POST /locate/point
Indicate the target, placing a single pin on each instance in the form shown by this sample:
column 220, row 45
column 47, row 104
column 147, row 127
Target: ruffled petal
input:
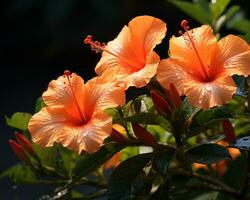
column 181, row 48
column 132, row 50
column 234, row 55
column 99, row 94
column 50, row 126
column 59, row 91
column 171, row 71
column 89, row 137
column 206, row 95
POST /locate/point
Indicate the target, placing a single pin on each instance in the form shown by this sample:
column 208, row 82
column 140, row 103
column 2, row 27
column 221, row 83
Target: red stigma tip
column 66, row 72
column 180, row 32
column 88, row 39
column 184, row 24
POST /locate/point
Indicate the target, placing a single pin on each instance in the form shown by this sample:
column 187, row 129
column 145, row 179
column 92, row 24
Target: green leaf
column 194, row 10
column 204, row 120
column 242, row 25
column 68, row 158
column 20, row 173
column 88, row 162
column 149, row 118
column 242, row 143
column 218, row 8
column 19, row 120
column 125, row 175
column 47, row 155
column 39, row 104
column 188, row 109
column 247, row 37
column 230, row 13
column 115, row 114
column 162, row 160
column 207, row 153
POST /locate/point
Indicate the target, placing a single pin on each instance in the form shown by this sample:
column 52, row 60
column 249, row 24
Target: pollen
column 189, row 39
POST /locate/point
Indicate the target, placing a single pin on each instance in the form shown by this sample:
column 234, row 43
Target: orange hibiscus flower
column 74, row 115
column 201, row 67
column 130, row 56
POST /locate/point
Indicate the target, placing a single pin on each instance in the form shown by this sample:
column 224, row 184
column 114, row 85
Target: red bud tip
column 228, row 130
column 118, row 137
column 184, row 24
column 17, row 149
column 66, row 72
column 174, row 96
column 25, row 143
column 160, row 104
column 143, row 135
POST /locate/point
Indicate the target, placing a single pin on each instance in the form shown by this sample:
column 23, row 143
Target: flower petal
column 181, row 48
column 99, row 94
column 235, row 55
column 132, row 50
column 50, row 125
column 206, row 95
column 171, row 71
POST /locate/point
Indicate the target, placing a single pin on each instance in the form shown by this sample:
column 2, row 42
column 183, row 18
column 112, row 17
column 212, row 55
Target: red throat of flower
column 101, row 47
column 191, row 43
column 67, row 74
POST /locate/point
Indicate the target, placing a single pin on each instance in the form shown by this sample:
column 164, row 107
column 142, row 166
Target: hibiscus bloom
column 74, row 115
column 130, row 56
column 201, row 67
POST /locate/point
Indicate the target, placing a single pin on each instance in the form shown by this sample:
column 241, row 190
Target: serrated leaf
column 88, row 162
column 194, row 10
column 120, row 184
column 205, row 119
column 242, row 143
column 19, row 120
column 207, row 154
column 218, row 8
column 162, row 160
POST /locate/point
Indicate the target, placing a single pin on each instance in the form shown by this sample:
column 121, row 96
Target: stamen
column 68, row 76
column 190, row 39
column 98, row 47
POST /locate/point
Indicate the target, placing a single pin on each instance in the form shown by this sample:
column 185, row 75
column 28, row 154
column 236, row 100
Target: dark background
column 41, row 38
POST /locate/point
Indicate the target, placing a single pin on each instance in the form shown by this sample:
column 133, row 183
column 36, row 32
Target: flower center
column 101, row 47
column 82, row 116
column 191, row 43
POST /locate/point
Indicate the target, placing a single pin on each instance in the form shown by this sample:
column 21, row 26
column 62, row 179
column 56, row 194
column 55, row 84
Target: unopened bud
column 160, row 104
column 174, row 96
column 228, row 130
column 118, row 137
column 143, row 135
column 25, row 143
column 17, row 149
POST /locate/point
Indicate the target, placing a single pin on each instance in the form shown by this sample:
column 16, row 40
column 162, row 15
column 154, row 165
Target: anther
column 190, row 42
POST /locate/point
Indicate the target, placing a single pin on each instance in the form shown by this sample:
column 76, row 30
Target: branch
column 221, row 187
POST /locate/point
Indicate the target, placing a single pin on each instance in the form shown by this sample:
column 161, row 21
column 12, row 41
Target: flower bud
column 143, row 135
column 118, row 137
column 160, row 104
column 17, row 149
column 174, row 96
column 228, row 130
column 25, row 143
